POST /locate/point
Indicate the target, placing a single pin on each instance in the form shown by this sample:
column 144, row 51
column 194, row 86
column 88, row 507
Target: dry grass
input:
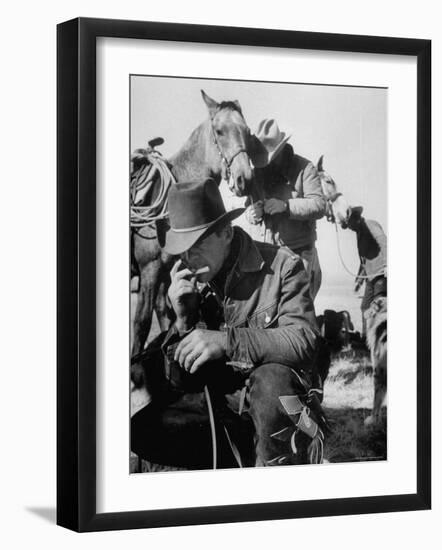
column 351, row 440
column 350, row 381
column 348, row 397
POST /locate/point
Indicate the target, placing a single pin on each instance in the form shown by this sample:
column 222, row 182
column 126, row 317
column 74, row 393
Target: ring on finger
column 191, row 360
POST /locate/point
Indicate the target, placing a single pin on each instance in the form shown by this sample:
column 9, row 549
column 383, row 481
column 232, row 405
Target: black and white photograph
column 202, row 205
column 258, row 273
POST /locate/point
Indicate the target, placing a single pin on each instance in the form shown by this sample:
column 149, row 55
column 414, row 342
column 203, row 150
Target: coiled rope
column 152, row 167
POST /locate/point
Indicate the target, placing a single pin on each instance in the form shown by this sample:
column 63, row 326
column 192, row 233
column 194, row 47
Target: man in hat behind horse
column 291, row 197
column 243, row 318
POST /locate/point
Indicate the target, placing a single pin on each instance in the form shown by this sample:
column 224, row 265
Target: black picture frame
column 76, row 273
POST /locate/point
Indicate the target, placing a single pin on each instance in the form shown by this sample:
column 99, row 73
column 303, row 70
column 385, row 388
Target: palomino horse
column 338, row 209
column 216, row 149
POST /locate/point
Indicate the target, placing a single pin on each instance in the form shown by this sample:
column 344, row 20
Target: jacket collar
column 250, row 259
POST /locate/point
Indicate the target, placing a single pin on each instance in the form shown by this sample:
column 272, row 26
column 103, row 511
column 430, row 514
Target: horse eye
column 219, row 132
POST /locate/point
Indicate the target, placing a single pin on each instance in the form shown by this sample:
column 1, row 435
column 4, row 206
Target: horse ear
column 212, row 105
column 236, row 102
column 320, row 167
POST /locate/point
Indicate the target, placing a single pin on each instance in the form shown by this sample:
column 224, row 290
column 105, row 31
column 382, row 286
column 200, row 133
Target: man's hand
column 274, row 206
column 255, row 213
column 183, row 296
column 199, row 347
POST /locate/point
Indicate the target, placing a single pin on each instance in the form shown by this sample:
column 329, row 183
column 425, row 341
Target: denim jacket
column 266, row 310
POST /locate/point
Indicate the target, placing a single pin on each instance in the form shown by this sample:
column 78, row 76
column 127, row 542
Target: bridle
column 330, row 200
column 227, row 162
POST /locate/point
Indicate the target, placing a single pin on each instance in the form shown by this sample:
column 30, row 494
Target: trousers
column 174, row 429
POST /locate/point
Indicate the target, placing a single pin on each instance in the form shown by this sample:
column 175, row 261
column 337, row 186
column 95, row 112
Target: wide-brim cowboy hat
column 267, row 142
column 195, row 209
column 355, row 213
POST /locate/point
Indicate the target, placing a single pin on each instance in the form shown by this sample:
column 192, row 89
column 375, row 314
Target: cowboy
column 244, row 319
column 372, row 249
column 291, row 197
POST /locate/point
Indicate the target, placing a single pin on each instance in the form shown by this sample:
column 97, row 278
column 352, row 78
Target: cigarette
column 201, row 270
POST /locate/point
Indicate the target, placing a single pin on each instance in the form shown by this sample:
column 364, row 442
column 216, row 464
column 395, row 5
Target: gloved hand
column 255, row 212
column 274, row 206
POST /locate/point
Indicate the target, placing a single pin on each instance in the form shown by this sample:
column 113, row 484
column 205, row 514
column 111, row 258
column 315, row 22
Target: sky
column 348, row 125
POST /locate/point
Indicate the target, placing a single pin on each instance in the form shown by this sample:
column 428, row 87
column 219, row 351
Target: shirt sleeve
column 294, row 340
column 312, row 205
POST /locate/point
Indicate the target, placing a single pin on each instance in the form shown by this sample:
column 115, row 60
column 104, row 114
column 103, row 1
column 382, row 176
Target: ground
column 348, row 395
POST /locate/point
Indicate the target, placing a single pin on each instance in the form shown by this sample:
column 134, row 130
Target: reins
column 212, row 427
column 155, row 167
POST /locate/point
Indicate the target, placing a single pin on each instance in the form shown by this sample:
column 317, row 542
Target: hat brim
column 356, row 211
column 355, row 214
column 177, row 242
column 273, row 154
column 260, row 156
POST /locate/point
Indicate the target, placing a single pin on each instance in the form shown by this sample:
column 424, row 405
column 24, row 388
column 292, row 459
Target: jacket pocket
column 264, row 317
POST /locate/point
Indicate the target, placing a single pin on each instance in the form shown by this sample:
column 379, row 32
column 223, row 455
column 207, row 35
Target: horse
column 218, row 149
column 338, row 209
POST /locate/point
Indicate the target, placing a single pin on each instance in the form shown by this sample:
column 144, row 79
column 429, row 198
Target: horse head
column 338, row 209
column 230, row 137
